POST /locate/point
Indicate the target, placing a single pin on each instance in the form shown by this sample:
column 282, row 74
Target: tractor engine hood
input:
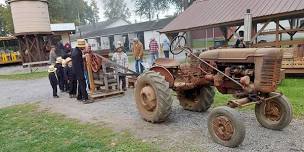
column 238, row 54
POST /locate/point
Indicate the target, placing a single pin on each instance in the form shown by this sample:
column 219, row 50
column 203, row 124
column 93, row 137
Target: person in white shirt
column 121, row 58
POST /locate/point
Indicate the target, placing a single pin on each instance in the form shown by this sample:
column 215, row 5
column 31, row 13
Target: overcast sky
column 131, row 5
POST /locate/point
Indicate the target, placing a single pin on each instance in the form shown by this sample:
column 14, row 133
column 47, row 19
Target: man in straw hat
column 53, row 80
column 78, row 69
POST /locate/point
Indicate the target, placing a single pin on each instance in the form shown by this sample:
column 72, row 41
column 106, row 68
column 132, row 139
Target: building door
column 112, row 45
column 126, row 42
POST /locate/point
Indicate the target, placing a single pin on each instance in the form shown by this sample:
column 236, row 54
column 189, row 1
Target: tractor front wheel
column 226, row 127
column 275, row 113
column 153, row 97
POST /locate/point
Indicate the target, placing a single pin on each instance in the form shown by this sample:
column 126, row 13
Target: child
column 72, row 82
column 121, row 58
column 53, row 80
column 60, row 73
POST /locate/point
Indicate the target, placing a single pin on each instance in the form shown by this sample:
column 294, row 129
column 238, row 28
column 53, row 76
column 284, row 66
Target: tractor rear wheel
column 153, row 97
column 198, row 100
column 274, row 114
column 226, row 126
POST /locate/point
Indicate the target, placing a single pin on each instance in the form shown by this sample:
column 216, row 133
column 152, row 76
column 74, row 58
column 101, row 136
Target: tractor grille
column 270, row 75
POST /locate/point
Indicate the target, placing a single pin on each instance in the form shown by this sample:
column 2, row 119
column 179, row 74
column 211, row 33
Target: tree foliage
column 61, row 11
column 151, row 8
column 77, row 11
column 95, row 10
column 6, row 21
column 115, row 9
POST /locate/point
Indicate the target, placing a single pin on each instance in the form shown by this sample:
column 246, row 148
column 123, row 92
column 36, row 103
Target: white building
column 63, row 31
column 84, row 30
column 106, row 38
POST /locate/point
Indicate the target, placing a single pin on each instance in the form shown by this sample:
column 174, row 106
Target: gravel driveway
column 184, row 131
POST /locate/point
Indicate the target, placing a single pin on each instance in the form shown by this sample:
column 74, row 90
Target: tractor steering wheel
column 178, row 44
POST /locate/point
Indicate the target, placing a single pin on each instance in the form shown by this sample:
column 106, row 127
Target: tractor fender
column 164, row 72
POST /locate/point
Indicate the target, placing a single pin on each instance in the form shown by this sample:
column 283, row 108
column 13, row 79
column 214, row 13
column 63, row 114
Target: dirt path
column 185, row 131
column 18, row 92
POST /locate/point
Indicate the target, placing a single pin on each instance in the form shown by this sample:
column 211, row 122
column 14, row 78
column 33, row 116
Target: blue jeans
column 139, row 67
column 167, row 54
column 153, row 57
column 86, row 77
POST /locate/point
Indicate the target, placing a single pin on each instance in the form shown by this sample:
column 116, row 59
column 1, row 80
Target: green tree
column 95, row 10
column 6, row 21
column 61, row 11
column 77, row 11
column 151, row 8
column 115, row 9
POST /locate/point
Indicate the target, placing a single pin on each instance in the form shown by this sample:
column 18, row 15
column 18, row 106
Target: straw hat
column 119, row 44
column 59, row 60
column 67, row 60
column 52, row 68
column 63, row 63
column 81, row 43
column 135, row 39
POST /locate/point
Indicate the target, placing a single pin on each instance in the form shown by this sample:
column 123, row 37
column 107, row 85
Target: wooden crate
column 131, row 81
column 105, row 94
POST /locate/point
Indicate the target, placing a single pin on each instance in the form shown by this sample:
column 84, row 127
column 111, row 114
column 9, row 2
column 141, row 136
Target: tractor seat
column 168, row 63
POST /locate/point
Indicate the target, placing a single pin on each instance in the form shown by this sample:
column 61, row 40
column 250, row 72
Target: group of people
column 154, row 49
column 67, row 70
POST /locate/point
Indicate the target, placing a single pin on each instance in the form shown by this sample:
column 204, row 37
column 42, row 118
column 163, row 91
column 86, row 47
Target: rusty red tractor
column 251, row 75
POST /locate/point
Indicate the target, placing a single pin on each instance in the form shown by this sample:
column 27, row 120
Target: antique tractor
column 250, row 75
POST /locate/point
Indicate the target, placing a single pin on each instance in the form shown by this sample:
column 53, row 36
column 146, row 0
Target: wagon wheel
column 226, row 127
column 274, row 114
column 177, row 45
column 153, row 97
column 197, row 100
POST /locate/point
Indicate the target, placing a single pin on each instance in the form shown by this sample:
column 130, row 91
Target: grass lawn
column 24, row 128
column 293, row 89
column 25, row 76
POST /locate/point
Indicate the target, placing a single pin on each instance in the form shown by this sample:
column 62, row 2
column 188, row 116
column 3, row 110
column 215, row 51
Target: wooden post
column 254, row 32
column 28, row 49
column 277, row 21
column 233, row 34
column 259, row 32
column 4, row 45
column 90, row 73
column 105, row 76
column 38, row 48
column 291, row 23
column 225, row 34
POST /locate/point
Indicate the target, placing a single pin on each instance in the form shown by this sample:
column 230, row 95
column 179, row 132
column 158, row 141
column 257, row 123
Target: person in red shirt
column 153, row 49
